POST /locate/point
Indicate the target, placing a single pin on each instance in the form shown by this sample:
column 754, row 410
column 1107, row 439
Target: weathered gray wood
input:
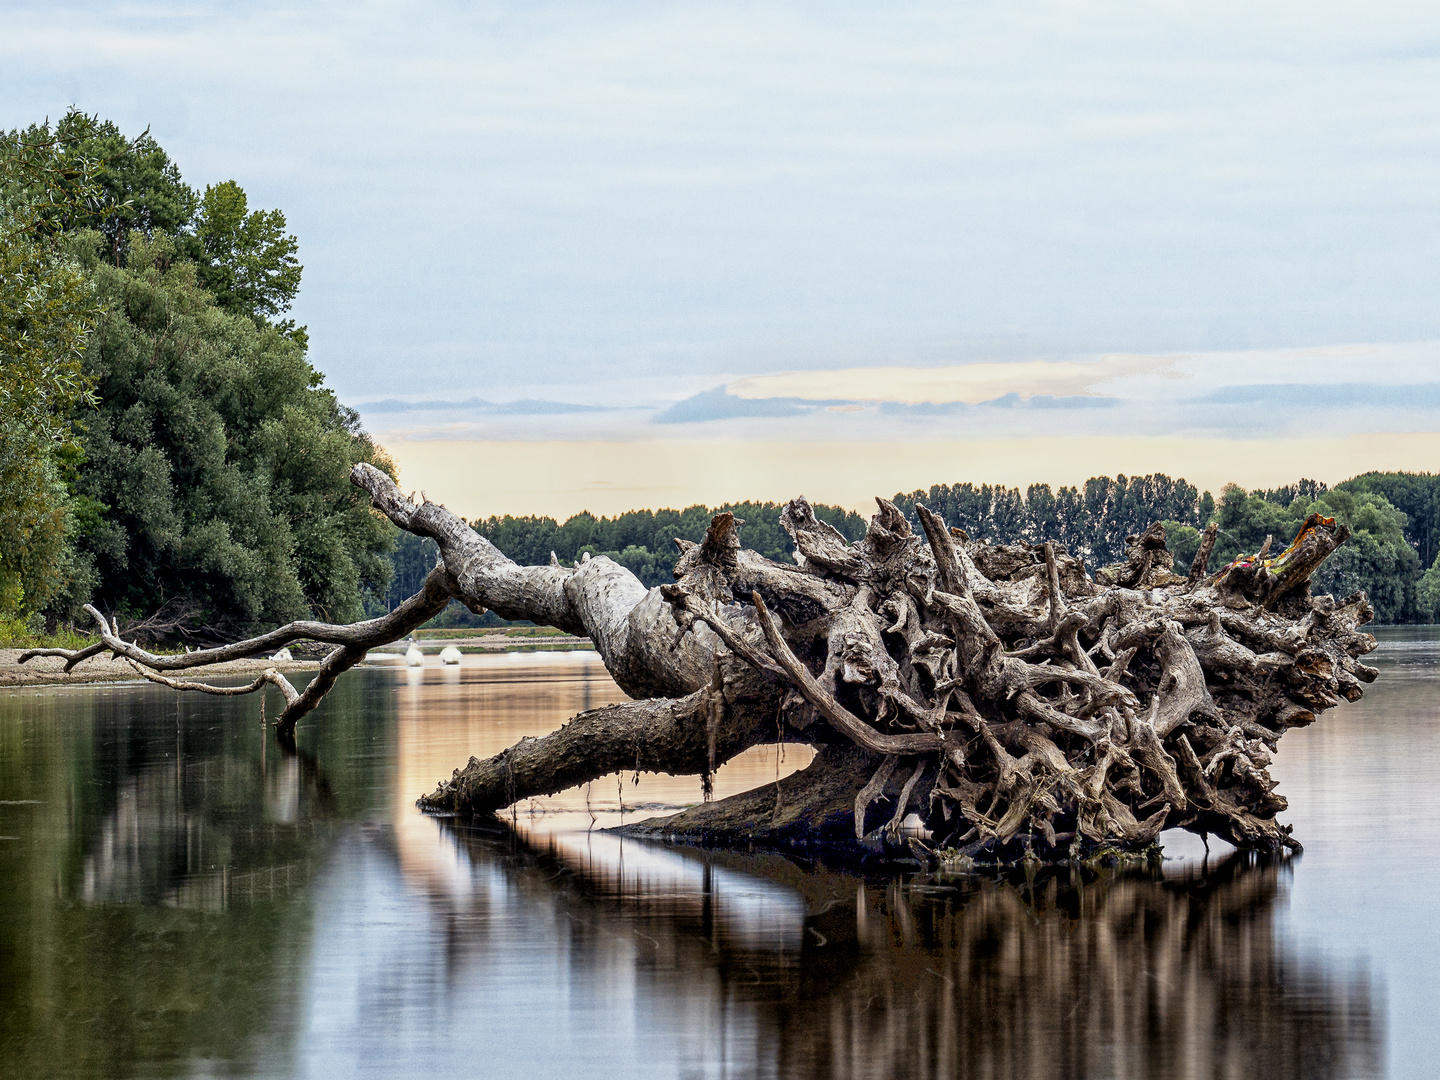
column 972, row 671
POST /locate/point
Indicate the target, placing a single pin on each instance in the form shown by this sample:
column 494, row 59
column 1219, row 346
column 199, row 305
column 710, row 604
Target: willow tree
column 1020, row 707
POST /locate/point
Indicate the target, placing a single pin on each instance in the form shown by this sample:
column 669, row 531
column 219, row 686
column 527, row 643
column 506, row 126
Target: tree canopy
column 136, row 187
column 47, row 308
column 249, row 262
column 205, row 470
column 222, row 465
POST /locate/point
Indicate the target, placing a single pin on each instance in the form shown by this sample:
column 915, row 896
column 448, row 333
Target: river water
column 181, row 897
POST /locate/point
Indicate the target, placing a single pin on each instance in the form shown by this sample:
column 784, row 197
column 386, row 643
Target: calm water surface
column 180, row 896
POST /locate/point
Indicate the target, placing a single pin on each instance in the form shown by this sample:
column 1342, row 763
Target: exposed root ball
column 1056, row 714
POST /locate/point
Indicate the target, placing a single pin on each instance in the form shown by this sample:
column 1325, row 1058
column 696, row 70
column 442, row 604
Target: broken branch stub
column 1021, row 708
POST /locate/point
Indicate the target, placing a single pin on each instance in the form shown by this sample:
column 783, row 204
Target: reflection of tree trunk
column 1023, row 709
column 162, row 840
column 1073, row 975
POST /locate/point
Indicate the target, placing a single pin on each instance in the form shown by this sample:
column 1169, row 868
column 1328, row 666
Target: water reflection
column 826, row 974
column 162, row 843
column 187, row 897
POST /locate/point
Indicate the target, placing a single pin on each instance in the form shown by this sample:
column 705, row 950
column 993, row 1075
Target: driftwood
column 1018, row 707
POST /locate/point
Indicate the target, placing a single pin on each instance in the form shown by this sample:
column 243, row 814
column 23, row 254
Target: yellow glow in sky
column 969, row 383
column 559, row 479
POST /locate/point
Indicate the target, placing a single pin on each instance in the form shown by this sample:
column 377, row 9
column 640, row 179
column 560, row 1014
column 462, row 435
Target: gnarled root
column 978, row 668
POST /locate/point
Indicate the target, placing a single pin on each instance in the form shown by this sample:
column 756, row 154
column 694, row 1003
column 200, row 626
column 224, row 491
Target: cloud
column 971, row 384
column 1046, row 401
column 1008, row 401
column 718, row 404
column 1327, row 395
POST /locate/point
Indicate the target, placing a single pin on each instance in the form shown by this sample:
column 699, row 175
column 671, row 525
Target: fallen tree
column 1020, row 708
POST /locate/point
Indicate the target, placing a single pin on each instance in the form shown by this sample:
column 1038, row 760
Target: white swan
column 450, row 655
column 414, row 657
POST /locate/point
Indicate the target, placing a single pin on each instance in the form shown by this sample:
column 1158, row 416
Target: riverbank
column 105, row 668
column 51, row 669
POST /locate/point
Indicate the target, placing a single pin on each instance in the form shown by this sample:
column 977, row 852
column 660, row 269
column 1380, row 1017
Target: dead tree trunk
column 1020, row 708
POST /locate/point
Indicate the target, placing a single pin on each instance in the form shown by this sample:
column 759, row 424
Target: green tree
column 209, row 477
column 1417, row 496
column 1091, row 521
column 1377, row 557
column 413, row 558
column 47, row 310
column 221, row 459
column 1183, row 541
column 248, row 259
column 1427, row 593
column 137, row 188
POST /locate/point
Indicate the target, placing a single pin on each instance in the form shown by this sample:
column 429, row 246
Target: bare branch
column 413, row 613
column 269, row 676
column 1202, row 557
column 72, row 656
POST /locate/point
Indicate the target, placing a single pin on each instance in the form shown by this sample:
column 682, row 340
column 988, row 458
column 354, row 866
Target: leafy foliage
column 206, row 476
column 249, row 262
column 1417, row 496
column 47, row 309
column 222, row 461
column 413, row 558
column 136, row 187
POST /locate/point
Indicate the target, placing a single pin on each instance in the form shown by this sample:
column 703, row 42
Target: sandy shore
column 49, row 669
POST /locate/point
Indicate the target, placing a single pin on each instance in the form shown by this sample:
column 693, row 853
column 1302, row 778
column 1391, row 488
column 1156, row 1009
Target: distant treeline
column 1392, row 555
column 1091, row 521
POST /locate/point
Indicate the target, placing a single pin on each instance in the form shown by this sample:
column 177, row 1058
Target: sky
column 574, row 256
